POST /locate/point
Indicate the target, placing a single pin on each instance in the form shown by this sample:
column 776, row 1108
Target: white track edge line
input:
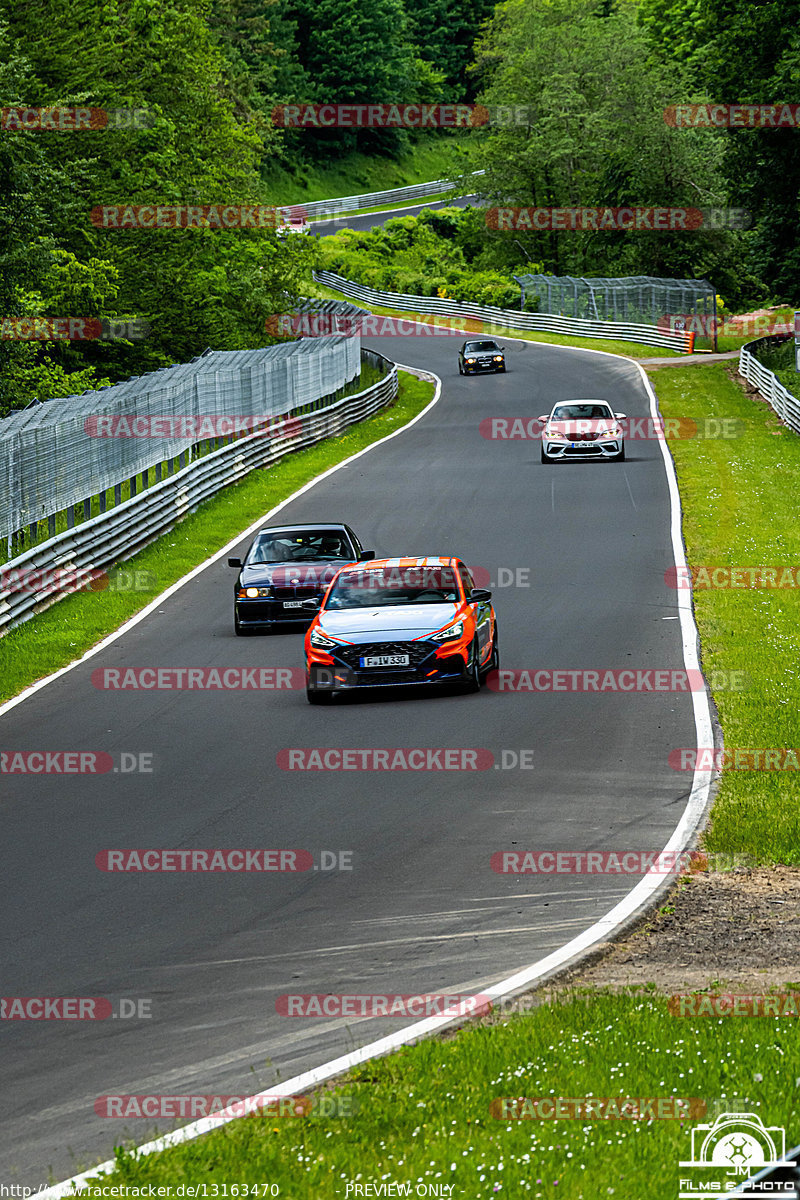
column 600, row 931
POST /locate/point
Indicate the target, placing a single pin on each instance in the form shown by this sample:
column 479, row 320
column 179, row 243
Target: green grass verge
column 64, row 632
column 739, row 509
column 431, row 156
column 422, row 1116
column 630, row 349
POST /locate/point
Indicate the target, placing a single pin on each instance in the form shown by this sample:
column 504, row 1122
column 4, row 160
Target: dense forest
column 595, row 77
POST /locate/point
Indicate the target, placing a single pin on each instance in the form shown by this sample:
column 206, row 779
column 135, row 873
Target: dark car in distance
column 286, row 570
column 481, row 355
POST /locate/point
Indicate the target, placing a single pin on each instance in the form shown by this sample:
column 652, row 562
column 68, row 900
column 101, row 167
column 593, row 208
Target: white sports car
column 583, row 429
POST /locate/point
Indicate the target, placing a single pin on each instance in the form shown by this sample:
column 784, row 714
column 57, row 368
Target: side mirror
column 478, row 595
column 621, row 416
column 544, row 419
column 366, row 555
column 235, row 562
column 311, row 602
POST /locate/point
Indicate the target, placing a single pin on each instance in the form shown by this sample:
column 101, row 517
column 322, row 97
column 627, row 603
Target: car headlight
column 469, row 360
column 555, row 436
column 319, row 639
column 498, row 358
column 448, row 635
column 252, row 593
column 610, row 433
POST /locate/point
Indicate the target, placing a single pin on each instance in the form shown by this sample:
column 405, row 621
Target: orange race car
column 400, row 621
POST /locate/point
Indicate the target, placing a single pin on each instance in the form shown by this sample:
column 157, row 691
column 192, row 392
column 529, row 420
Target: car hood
column 391, row 623
column 308, row 574
column 582, row 425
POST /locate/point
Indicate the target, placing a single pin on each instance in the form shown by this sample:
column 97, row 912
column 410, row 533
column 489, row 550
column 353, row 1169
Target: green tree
column 595, row 96
column 195, row 287
column 754, row 58
column 445, row 32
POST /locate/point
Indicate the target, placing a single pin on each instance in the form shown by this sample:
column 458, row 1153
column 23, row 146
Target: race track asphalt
column 580, row 551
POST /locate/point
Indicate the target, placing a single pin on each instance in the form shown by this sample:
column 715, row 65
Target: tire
column 238, row 629
column 472, row 682
column 545, row 459
column 621, row 456
column 494, row 661
column 460, row 369
column 315, row 697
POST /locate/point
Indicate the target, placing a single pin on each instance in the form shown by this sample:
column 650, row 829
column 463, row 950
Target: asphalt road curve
column 576, row 554
column 364, row 221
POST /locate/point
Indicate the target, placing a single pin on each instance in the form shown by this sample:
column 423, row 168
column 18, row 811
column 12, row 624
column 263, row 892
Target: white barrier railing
column 784, row 403
column 63, row 564
column 504, row 318
column 312, row 209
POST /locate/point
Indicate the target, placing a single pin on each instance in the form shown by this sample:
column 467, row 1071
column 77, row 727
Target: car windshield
column 581, row 412
column 394, row 586
column 477, row 347
column 308, row 545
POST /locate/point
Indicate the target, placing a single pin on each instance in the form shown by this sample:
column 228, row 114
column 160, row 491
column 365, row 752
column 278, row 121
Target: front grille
column 295, row 593
column 256, row 610
column 417, row 652
column 385, row 678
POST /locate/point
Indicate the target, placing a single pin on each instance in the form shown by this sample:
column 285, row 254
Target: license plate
column 293, row 604
column 385, row 660
column 583, row 445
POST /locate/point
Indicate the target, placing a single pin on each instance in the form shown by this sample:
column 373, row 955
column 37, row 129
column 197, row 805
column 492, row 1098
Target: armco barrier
column 115, row 536
column 329, row 208
column 51, row 464
column 785, row 404
column 506, row 318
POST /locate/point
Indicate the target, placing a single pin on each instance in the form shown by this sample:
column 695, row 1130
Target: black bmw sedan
column 485, row 355
column 286, row 566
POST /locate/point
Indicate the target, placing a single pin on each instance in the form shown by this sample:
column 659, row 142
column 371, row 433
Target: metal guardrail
column 776, row 395
column 505, row 318
column 341, row 204
column 61, row 565
column 65, row 453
